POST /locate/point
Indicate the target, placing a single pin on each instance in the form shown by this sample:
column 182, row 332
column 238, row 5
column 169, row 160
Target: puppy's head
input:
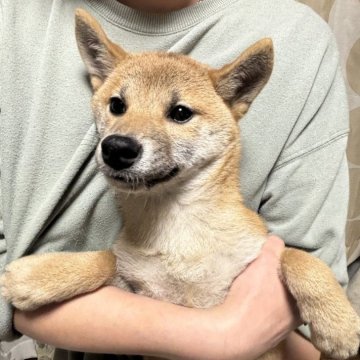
column 161, row 116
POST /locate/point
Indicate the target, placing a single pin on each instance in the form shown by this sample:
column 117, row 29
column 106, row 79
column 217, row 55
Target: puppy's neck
column 186, row 211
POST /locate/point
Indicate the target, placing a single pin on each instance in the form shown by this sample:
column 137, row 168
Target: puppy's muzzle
column 120, row 152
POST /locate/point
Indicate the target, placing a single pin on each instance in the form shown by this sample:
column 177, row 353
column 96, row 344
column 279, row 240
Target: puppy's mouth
column 135, row 181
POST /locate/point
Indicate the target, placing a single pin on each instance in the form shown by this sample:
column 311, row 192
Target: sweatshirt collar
column 157, row 24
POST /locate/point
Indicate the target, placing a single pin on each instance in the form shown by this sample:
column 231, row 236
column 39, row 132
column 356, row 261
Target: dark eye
column 181, row 113
column 117, row 106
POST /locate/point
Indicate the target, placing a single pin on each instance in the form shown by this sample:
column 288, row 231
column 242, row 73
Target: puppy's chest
column 194, row 279
column 189, row 282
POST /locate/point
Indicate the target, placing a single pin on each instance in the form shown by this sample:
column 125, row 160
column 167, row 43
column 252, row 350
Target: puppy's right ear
column 239, row 82
column 99, row 54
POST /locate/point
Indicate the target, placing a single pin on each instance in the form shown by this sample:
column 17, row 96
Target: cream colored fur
column 185, row 239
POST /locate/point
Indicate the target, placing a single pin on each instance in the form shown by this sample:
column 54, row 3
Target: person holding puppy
column 293, row 169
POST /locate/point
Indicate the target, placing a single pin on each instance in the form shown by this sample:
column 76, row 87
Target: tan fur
column 302, row 271
column 108, row 51
column 178, row 232
column 48, row 282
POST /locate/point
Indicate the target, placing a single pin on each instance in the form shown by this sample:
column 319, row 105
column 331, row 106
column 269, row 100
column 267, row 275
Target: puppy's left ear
column 239, row 82
column 99, row 54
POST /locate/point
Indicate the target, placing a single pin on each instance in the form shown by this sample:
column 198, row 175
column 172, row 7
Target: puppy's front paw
column 24, row 283
column 36, row 280
column 338, row 340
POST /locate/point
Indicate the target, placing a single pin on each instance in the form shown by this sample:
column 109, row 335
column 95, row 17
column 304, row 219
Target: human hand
column 258, row 312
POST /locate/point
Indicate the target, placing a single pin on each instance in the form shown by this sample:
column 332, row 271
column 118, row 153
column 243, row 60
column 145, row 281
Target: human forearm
column 113, row 321
column 299, row 348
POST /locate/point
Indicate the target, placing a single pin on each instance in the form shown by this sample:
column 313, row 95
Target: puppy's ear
column 239, row 82
column 99, row 54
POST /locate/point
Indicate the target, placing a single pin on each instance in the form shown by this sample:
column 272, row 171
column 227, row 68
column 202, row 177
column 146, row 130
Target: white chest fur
column 185, row 254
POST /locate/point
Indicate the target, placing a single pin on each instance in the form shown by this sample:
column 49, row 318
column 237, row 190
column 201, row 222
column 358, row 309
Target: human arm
column 304, row 198
column 257, row 303
column 2, row 235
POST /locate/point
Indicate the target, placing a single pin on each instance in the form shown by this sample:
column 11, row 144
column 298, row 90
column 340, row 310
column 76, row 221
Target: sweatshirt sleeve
column 306, row 196
column 5, row 309
column 2, row 235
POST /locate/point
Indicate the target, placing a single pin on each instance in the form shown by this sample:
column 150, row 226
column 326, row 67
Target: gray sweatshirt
column 293, row 167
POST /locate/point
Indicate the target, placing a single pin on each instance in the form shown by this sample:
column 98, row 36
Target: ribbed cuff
column 23, row 348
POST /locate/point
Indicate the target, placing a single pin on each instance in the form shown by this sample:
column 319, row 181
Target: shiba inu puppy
column 169, row 146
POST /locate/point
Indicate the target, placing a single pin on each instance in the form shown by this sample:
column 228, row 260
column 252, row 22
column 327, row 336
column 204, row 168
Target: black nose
column 120, row 152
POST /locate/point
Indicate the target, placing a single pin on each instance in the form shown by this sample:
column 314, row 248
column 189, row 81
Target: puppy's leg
column 322, row 303
column 36, row 280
